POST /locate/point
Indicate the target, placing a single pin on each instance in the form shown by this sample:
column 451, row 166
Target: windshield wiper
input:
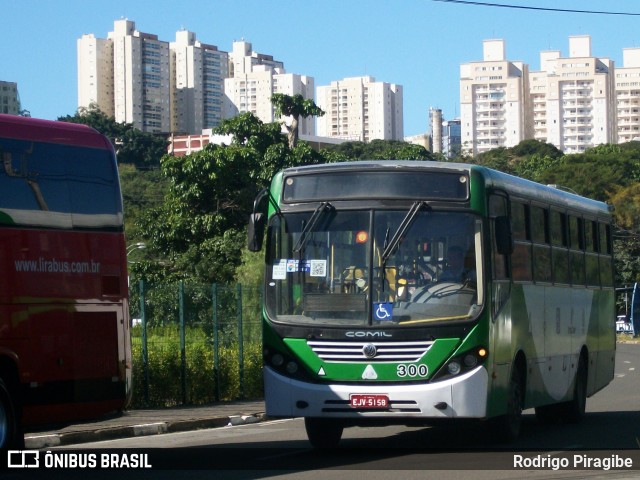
column 308, row 228
column 402, row 230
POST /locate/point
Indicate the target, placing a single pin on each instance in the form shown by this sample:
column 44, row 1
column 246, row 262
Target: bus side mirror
column 504, row 238
column 255, row 232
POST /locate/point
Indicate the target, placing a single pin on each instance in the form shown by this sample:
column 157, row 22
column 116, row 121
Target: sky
column 418, row 44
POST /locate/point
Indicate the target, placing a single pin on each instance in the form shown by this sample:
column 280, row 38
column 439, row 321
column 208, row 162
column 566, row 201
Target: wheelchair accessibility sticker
column 383, row 311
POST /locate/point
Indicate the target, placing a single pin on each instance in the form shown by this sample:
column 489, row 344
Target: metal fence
column 195, row 343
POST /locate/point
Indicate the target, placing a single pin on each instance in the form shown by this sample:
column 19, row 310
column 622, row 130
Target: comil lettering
column 362, row 334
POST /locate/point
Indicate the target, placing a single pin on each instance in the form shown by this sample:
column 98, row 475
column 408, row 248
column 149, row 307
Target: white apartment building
column 127, row 75
column 255, row 79
column 95, row 73
column 141, row 73
column 159, row 87
column 627, row 86
column 360, row 108
column 570, row 102
column 495, row 110
column 574, row 98
column 197, row 95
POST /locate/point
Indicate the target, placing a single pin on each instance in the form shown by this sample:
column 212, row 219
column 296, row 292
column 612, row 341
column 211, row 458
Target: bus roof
column 493, row 179
column 66, row 133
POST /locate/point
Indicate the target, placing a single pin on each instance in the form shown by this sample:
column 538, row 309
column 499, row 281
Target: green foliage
column 203, row 378
column 132, row 145
column 295, row 106
column 142, row 190
column 536, row 147
column 376, row 150
column 591, row 175
column 198, row 230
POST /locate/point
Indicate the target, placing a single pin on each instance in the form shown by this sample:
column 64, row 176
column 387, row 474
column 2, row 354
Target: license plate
column 369, row 401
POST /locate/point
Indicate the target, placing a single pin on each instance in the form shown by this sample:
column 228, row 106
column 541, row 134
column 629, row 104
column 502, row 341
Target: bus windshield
column 337, row 274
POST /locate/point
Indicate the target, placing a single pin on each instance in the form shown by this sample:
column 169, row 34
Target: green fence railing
column 195, row 343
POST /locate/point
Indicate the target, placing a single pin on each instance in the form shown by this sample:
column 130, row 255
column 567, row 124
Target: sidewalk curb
column 34, row 441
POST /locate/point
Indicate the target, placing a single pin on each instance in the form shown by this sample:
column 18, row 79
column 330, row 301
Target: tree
column 142, row 190
column 132, row 145
column 295, row 106
column 376, row 150
column 626, row 203
column 200, row 226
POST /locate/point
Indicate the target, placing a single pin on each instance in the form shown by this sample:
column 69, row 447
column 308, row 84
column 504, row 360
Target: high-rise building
column 360, row 108
column 570, row 102
column 451, row 138
column 95, row 73
column 627, row 85
column 197, row 95
column 9, row 99
column 255, row 78
column 574, row 98
column 127, row 76
column 141, row 76
column 159, row 87
column 181, row 87
column 445, row 134
column 494, row 101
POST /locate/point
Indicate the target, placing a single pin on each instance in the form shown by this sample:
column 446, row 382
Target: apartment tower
column 627, row 86
column 494, row 101
column 255, row 78
column 574, row 98
column 360, row 108
column 198, row 71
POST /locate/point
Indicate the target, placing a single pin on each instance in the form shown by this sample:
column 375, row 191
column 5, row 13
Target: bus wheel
column 506, row 428
column 573, row 410
column 323, row 432
column 10, row 432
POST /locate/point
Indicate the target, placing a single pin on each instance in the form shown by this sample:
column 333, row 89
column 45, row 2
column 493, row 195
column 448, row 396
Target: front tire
column 323, row 432
column 10, row 432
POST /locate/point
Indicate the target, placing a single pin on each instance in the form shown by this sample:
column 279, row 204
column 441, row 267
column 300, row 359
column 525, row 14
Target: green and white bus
column 401, row 292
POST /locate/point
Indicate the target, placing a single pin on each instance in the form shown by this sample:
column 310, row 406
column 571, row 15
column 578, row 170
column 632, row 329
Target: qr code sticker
column 318, row 268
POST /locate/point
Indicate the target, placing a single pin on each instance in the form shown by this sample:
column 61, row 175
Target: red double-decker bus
column 65, row 348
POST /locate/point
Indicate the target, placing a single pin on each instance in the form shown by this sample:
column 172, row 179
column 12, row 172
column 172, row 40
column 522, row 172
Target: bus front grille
column 368, row 352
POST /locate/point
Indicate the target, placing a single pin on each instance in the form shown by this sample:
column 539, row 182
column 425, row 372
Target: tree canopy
column 132, row 146
column 295, row 106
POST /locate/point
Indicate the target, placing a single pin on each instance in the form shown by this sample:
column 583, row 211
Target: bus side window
column 576, row 244
column 560, row 253
column 498, row 209
column 521, row 259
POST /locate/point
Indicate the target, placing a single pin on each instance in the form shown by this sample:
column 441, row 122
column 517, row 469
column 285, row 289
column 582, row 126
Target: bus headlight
column 470, row 360
column 454, row 367
column 292, row 367
column 461, row 363
column 284, row 363
column 277, row 360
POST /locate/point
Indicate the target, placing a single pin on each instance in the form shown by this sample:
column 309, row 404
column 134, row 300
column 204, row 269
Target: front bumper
column 461, row 397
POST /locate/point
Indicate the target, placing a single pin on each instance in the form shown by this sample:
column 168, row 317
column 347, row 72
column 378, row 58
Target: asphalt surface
column 134, row 423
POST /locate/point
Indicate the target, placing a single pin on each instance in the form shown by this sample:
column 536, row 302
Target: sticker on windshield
column 383, row 311
column 318, row 268
column 279, row 271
